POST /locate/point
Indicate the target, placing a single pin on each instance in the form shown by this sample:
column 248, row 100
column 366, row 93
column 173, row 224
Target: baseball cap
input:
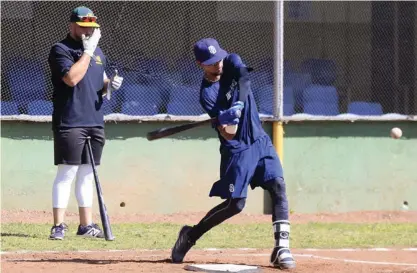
column 208, row 51
column 84, row 17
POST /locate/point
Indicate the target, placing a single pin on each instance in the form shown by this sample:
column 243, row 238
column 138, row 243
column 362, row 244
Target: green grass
column 163, row 236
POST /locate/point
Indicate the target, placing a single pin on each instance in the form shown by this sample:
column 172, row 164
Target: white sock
column 84, row 186
column 62, row 185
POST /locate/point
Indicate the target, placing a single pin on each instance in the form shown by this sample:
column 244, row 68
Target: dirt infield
column 393, row 261
column 326, row 261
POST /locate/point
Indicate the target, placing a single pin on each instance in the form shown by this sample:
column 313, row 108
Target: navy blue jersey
column 220, row 95
column 78, row 106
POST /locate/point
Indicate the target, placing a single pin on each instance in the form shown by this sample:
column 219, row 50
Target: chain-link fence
column 340, row 57
column 353, row 57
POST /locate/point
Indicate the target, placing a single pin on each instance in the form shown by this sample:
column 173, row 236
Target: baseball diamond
column 209, row 136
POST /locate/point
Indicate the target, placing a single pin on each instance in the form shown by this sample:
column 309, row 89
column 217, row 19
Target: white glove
column 114, row 84
column 90, row 43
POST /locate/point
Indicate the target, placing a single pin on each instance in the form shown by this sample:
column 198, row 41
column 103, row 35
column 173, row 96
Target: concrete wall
column 328, row 167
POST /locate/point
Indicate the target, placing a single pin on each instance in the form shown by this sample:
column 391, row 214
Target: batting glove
column 238, row 105
column 90, row 43
column 231, row 115
column 115, row 83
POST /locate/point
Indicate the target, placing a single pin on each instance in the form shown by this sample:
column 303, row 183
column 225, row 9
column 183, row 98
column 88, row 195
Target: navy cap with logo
column 208, row 51
column 84, row 17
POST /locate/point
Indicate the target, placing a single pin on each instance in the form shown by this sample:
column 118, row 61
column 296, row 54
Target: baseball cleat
column 282, row 258
column 58, row 232
column 90, row 231
column 182, row 245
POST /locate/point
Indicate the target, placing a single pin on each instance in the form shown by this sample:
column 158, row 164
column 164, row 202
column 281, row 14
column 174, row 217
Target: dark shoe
column 282, row 258
column 90, row 231
column 182, row 245
column 58, row 232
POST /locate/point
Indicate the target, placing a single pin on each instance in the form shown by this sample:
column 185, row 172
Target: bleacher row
column 150, row 88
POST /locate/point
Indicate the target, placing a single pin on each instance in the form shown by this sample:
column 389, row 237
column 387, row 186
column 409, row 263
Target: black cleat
column 182, row 245
column 282, row 258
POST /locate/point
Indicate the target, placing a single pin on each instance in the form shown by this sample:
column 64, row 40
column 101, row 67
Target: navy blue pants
column 255, row 166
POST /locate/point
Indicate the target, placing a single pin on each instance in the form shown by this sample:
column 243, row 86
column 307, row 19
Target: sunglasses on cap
column 87, row 18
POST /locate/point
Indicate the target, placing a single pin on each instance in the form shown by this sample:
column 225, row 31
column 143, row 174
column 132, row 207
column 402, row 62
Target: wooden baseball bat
column 168, row 131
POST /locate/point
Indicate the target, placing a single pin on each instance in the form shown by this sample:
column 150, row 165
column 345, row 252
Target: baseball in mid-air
column 396, row 133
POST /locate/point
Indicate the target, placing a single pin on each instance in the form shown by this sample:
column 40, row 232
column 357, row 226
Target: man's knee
column 276, row 187
column 237, row 205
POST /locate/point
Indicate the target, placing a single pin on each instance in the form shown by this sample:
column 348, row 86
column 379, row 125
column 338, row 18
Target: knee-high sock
column 277, row 191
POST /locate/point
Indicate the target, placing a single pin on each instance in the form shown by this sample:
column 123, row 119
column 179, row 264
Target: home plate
column 222, row 268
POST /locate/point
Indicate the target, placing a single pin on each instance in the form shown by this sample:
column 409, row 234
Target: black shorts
column 70, row 145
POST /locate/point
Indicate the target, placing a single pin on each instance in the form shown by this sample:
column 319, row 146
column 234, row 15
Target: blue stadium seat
column 176, row 77
column 365, row 108
column 183, row 93
column 139, row 108
column 260, row 79
column 140, row 92
column 321, row 109
column 109, row 106
column 140, row 100
column 40, row 108
column 184, row 108
column 267, row 66
column 265, row 100
column 322, row 71
column 185, row 100
column 320, row 93
column 191, row 74
column 155, row 68
column 9, row 108
column 300, row 82
column 27, row 81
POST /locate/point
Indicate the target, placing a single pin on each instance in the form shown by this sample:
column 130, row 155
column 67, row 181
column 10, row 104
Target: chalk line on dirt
column 207, row 249
column 352, row 261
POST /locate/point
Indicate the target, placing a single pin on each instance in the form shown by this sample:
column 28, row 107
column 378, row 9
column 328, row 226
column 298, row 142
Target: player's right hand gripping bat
column 244, row 84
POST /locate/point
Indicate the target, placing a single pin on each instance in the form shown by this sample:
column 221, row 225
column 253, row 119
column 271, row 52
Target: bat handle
column 108, row 95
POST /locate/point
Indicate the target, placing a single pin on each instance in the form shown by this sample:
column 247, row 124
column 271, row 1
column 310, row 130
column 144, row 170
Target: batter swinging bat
column 108, row 234
column 168, row 131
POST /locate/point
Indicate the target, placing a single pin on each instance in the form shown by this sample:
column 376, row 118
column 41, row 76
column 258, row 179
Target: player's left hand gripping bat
column 108, row 234
column 243, row 94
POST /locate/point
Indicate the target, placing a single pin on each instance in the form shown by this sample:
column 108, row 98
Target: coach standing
column 77, row 65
